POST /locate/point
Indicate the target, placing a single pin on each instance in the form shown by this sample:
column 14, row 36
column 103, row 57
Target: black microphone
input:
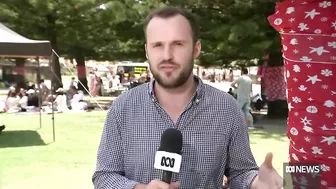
column 168, row 157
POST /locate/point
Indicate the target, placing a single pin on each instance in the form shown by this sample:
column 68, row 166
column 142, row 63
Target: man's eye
column 157, row 45
column 179, row 44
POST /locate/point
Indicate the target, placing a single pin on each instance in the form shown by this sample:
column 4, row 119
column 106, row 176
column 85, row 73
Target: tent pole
column 52, row 95
column 39, row 88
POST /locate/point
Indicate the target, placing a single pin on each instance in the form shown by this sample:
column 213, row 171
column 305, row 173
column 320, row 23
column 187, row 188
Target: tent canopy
column 14, row 45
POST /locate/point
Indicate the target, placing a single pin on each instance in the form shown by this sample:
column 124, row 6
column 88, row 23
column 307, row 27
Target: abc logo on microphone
column 167, row 161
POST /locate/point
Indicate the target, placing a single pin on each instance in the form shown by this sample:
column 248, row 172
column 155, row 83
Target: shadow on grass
column 12, row 139
column 272, row 129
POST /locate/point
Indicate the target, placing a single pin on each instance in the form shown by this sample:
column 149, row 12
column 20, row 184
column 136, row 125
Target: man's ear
column 197, row 50
column 146, row 51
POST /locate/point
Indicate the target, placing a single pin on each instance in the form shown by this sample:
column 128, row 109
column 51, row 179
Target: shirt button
column 197, row 100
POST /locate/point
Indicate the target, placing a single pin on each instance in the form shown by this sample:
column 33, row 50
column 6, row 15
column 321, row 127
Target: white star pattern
column 302, row 150
column 309, row 55
column 324, row 128
column 318, row 50
column 313, row 79
column 305, row 121
column 333, row 25
column 328, row 140
column 311, row 14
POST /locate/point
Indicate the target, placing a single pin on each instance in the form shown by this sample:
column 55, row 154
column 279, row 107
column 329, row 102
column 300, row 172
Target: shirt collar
column 197, row 96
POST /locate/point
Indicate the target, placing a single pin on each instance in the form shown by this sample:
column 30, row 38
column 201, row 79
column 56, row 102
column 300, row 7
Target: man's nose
column 168, row 53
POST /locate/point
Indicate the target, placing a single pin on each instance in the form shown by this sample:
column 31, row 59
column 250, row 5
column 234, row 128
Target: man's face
column 170, row 50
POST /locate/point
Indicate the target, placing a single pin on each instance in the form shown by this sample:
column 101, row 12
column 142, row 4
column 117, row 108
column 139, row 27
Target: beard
column 167, row 80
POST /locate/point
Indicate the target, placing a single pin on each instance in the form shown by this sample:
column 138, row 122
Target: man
column 243, row 92
column 215, row 136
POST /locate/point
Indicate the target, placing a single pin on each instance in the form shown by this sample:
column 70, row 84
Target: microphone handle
column 166, row 176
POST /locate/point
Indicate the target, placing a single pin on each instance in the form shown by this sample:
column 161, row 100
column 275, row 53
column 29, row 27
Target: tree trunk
column 19, row 69
column 277, row 108
column 81, row 72
column 55, row 65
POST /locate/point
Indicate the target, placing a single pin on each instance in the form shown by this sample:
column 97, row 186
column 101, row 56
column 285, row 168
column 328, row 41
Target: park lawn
column 30, row 159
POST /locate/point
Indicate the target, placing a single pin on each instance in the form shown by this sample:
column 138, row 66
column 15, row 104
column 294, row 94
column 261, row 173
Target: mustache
column 164, row 63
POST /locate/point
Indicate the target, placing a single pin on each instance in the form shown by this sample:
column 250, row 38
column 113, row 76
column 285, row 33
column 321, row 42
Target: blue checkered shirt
column 215, row 141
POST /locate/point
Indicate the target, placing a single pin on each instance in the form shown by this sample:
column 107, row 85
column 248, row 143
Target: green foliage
column 112, row 29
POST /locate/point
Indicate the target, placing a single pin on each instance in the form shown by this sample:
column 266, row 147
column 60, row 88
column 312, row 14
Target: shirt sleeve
column 236, row 81
column 110, row 166
column 241, row 165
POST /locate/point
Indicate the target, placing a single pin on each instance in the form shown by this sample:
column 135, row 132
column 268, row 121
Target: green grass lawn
column 30, row 159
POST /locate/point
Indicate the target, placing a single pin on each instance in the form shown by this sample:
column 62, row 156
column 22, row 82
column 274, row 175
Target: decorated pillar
column 308, row 33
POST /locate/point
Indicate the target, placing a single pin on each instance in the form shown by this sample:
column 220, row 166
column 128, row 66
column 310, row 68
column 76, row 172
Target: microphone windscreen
column 171, row 141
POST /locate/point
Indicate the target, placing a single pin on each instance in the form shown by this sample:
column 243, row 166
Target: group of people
column 20, row 100
column 30, row 99
column 117, row 80
column 220, row 76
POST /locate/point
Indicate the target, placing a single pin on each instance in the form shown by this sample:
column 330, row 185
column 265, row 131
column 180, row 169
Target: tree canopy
column 231, row 30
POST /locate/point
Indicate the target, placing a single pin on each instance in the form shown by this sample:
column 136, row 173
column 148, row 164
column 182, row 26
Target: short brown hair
column 168, row 11
column 244, row 71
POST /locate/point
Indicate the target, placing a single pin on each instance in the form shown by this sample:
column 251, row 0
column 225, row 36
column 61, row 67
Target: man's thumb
column 268, row 160
column 174, row 185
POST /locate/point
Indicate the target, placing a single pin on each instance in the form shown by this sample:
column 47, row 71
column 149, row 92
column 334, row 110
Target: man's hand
column 267, row 177
column 157, row 184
